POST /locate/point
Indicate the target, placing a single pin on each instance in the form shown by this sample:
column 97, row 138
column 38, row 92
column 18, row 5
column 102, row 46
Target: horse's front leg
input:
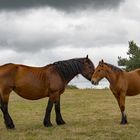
column 120, row 97
column 47, row 121
column 122, row 108
column 59, row 119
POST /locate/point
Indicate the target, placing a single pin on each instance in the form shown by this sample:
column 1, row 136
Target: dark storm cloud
column 64, row 5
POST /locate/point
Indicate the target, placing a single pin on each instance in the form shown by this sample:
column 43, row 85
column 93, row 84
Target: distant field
column 89, row 114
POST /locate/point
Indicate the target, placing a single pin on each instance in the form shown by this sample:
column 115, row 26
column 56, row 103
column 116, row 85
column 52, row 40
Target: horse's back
column 135, row 74
column 138, row 71
column 17, row 72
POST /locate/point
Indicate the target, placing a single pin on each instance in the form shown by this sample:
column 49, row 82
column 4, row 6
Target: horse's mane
column 114, row 68
column 69, row 68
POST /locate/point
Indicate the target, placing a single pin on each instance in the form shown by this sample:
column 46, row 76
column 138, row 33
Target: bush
column 72, row 87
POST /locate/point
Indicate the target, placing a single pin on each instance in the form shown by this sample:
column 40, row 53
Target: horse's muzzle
column 94, row 82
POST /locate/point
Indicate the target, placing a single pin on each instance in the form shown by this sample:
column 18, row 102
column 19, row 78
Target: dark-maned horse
column 38, row 82
column 122, row 83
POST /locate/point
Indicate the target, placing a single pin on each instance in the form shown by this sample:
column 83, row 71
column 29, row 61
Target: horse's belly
column 31, row 92
column 133, row 91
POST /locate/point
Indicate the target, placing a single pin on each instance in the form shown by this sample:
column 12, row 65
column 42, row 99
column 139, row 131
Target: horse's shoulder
column 123, row 74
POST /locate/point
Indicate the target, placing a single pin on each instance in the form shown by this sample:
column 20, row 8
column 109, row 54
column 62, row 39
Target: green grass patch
column 89, row 114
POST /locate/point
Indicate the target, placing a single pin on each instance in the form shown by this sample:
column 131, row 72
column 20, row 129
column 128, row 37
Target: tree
column 133, row 61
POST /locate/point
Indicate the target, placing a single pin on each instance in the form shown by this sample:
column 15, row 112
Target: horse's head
column 88, row 68
column 99, row 74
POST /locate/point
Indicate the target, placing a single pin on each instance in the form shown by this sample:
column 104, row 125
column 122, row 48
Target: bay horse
column 122, row 83
column 38, row 82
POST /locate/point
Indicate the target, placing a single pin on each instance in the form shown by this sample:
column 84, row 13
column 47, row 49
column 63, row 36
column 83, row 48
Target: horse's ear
column 101, row 62
column 87, row 56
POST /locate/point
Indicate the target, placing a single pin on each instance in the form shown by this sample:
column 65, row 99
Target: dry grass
column 90, row 115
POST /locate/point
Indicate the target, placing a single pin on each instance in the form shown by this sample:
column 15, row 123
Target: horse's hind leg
column 4, row 98
column 59, row 119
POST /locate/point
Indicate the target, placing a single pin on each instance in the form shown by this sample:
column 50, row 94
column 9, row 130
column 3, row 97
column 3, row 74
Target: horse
column 34, row 83
column 122, row 83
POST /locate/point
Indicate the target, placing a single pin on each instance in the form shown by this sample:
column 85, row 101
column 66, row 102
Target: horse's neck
column 75, row 73
column 70, row 78
column 112, row 77
column 68, row 73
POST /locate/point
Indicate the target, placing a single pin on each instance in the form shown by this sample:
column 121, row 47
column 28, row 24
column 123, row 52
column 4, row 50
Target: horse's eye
column 99, row 70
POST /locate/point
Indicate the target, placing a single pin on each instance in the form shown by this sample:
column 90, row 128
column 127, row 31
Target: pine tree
column 133, row 61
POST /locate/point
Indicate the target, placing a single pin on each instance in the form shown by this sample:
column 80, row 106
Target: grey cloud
column 35, row 42
column 29, row 43
column 64, row 5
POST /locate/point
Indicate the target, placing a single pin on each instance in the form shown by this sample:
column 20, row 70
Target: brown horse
column 122, row 83
column 38, row 82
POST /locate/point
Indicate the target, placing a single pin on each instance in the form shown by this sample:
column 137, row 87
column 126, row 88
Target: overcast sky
column 38, row 32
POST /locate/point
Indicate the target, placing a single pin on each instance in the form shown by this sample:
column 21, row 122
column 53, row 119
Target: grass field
column 89, row 114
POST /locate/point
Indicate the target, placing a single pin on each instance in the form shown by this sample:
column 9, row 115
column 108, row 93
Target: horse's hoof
column 123, row 122
column 60, row 122
column 10, row 126
column 48, row 124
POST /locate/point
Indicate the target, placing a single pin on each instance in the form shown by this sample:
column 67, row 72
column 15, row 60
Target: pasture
column 90, row 114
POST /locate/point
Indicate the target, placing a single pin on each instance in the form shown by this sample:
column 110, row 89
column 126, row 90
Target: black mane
column 69, row 68
column 114, row 68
